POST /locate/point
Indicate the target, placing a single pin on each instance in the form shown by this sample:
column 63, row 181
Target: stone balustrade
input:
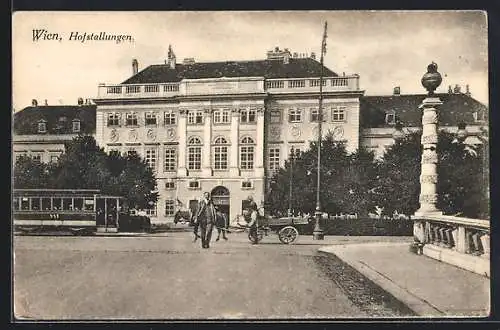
column 463, row 242
column 273, row 86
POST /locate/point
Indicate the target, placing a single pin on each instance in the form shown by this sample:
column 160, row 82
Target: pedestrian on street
column 205, row 215
column 251, row 214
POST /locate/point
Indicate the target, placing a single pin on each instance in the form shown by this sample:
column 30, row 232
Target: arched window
column 220, row 153
column 194, row 153
column 247, row 153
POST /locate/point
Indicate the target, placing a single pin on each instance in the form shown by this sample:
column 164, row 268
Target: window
column 54, row 158
column 42, row 126
column 314, row 115
column 248, row 115
column 132, row 89
column 151, row 88
column 296, row 83
column 246, row 184
column 194, row 184
column 151, row 211
column 151, row 158
column 195, row 117
column 20, row 154
column 37, row 156
column 170, row 118
column 169, row 207
column 294, row 115
column 390, row 118
column 194, row 153
column 170, row 185
column 247, row 153
column 170, row 159
column 131, row 119
column 131, row 152
column 76, row 126
column 274, row 159
column 275, row 116
column 221, row 116
column 150, row 118
column 338, row 114
column 220, row 154
column 113, row 119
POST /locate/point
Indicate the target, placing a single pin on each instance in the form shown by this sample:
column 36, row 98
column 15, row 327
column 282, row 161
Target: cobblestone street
column 170, row 277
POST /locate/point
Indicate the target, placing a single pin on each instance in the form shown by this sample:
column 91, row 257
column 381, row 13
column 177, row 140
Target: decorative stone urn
column 432, row 78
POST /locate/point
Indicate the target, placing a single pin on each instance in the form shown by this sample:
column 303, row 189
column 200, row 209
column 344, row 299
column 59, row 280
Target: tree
column 459, row 186
column 346, row 180
column 398, row 176
column 84, row 165
column 31, row 174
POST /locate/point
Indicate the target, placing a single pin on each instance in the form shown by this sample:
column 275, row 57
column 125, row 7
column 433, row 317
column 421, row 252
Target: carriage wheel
column 288, row 234
column 257, row 239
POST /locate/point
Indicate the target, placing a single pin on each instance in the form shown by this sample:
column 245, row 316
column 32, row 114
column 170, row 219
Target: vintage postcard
column 260, row 165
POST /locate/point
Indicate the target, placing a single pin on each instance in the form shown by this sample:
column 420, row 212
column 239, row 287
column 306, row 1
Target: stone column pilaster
column 259, row 152
column 182, row 131
column 234, row 169
column 428, row 176
column 206, row 161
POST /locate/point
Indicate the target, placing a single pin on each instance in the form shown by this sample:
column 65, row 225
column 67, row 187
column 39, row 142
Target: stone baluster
column 485, row 242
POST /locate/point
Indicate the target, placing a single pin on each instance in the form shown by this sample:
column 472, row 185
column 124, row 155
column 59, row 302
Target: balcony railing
column 463, row 242
column 274, row 86
column 137, row 90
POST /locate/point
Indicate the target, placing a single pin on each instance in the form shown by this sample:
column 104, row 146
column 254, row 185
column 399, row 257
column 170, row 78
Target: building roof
column 58, row 119
column 296, row 68
column 456, row 108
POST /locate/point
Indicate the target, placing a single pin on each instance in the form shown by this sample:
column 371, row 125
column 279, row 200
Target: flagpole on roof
column 318, row 232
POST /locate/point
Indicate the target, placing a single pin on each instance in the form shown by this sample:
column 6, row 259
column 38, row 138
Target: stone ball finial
column 432, row 78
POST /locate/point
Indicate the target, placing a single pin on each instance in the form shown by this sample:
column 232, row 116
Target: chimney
column 34, row 103
column 135, row 66
column 46, row 103
column 467, row 91
column 80, row 101
column 171, row 57
column 313, row 55
column 450, row 91
column 397, row 90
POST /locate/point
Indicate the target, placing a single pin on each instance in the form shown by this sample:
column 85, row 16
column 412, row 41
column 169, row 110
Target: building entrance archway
column 220, row 196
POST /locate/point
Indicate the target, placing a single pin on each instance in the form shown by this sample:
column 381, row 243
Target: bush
column 368, row 227
column 135, row 223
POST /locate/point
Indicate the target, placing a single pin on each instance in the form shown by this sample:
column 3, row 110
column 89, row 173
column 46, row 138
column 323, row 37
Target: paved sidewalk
column 429, row 287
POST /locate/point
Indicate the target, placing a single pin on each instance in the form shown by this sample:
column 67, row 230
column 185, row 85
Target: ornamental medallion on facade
column 113, row 135
column 151, row 135
column 295, row 131
column 275, row 132
column 338, row 132
column 132, row 135
column 170, row 133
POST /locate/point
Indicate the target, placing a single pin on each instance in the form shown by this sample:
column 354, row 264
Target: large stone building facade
column 223, row 127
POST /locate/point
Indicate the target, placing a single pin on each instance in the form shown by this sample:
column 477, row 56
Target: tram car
column 80, row 211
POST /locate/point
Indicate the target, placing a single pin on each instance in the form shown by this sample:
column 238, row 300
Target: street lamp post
column 318, row 232
column 290, row 191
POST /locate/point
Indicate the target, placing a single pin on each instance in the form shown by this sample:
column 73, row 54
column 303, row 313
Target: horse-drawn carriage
column 288, row 229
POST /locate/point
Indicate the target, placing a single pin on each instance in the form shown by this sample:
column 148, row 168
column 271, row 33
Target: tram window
column 78, row 204
column 67, row 204
column 15, row 203
column 89, row 204
column 45, row 204
column 35, row 203
column 25, row 204
column 57, row 204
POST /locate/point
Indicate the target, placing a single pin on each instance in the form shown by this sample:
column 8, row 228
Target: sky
column 386, row 48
